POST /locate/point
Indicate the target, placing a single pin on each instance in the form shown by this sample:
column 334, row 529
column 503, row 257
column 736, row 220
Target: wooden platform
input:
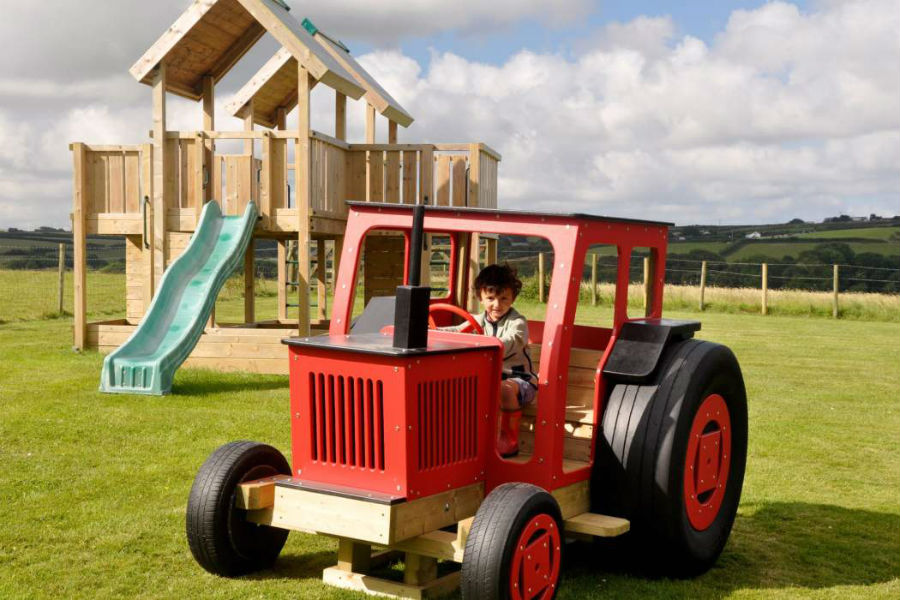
column 251, row 349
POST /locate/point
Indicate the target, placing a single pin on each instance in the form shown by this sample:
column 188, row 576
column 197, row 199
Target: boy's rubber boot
column 508, row 440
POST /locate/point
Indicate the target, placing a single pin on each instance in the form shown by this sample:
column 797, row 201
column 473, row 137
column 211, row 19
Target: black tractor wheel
column 220, row 537
column 514, row 547
column 671, row 458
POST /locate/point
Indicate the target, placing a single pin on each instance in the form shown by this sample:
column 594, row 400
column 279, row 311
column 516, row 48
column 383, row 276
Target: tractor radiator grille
column 447, row 421
column 347, row 420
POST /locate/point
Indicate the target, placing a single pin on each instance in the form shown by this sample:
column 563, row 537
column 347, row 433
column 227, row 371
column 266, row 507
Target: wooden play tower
column 300, row 178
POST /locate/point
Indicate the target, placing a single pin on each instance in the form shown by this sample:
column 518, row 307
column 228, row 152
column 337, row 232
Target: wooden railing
column 116, row 179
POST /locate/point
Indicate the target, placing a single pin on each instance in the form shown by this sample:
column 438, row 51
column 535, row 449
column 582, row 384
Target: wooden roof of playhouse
column 275, row 85
column 211, row 36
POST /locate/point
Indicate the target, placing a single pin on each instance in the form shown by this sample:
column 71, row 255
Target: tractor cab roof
column 496, row 213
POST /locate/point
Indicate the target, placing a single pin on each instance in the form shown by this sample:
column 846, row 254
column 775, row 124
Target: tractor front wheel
column 221, row 539
column 514, row 547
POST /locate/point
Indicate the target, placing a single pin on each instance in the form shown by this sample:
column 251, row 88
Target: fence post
column 835, row 310
column 702, row 283
column 593, row 280
column 62, row 276
column 540, row 277
column 646, row 283
column 765, row 288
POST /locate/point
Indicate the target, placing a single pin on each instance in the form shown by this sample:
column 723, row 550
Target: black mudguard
column 639, row 345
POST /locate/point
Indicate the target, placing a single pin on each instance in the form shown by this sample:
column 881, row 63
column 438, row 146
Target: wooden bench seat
column 579, row 407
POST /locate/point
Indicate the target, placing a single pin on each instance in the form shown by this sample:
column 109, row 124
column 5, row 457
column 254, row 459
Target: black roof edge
column 495, row 211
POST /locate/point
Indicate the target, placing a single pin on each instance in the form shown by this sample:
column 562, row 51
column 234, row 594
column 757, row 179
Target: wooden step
column 597, row 525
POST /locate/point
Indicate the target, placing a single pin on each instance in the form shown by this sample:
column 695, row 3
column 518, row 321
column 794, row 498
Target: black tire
column 222, row 541
column 640, row 466
column 496, row 529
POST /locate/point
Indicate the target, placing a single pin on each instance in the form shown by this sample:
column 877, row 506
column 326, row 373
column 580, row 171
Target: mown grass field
column 94, row 486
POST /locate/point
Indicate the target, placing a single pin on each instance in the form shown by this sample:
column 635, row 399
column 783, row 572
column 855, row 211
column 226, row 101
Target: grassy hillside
column 94, row 486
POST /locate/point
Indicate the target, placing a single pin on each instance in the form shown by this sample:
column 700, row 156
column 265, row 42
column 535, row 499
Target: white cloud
column 784, row 113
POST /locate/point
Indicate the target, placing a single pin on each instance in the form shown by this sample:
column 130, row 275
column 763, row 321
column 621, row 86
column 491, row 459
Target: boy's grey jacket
column 512, row 330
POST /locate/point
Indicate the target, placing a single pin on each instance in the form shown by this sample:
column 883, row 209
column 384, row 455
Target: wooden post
column 835, row 309
column 321, row 280
column 248, row 126
column 353, row 556
column 647, row 284
column 79, row 242
column 159, row 174
column 249, row 285
column 62, row 277
column 305, row 82
column 593, row 280
column 147, row 237
column 474, row 174
column 392, row 132
column 419, row 569
column 209, row 124
column 282, row 281
column 540, row 277
column 340, row 116
column 702, row 284
column 370, row 124
column 765, row 288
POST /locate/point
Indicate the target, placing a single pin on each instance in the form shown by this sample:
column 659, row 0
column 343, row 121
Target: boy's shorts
column 527, row 391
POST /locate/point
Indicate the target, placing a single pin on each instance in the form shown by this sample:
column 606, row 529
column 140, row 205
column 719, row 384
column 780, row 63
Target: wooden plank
column 426, row 176
column 374, row 176
column 306, row 510
column 410, row 176
column 415, row 518
column 574, row 499
column 375, row 586
column 392, row 177
column 392, row 132
column 355, row 175
column 439, row 544
column 597, row 525
column 459, row 181
column 474, row 175
column 442, row 181
column 282, row 280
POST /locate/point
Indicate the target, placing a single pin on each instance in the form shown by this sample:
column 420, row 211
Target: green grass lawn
column 94, row 486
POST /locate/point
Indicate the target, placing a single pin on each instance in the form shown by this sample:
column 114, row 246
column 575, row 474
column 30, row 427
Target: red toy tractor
column 639, row 429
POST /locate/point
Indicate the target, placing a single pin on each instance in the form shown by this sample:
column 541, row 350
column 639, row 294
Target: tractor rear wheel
column 671, row 457
column 514, row 547
column 221, row 539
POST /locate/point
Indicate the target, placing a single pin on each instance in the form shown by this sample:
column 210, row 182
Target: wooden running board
column 597, row 525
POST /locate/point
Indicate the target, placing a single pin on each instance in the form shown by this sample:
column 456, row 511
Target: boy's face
column 496, row 303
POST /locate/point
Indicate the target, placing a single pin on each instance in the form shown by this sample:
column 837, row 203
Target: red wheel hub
column 706, row 462
column 534, row 572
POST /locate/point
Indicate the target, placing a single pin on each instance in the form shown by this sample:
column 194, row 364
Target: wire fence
column 30, row 274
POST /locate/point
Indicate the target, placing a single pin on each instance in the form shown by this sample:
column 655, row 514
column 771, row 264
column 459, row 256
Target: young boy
column 497, row 287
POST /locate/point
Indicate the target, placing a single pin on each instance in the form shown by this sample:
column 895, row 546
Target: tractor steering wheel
column 471, row 326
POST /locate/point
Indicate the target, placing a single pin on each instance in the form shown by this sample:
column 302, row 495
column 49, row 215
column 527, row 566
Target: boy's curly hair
column 495, row 278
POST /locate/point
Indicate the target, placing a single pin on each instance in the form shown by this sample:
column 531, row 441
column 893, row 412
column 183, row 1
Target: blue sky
column 731, row 112
column 699, row 18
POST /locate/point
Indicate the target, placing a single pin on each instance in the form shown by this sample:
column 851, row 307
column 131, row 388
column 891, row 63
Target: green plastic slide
column 146, row 362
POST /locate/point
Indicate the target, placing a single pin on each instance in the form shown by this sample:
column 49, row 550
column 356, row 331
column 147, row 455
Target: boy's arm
column 514, row 336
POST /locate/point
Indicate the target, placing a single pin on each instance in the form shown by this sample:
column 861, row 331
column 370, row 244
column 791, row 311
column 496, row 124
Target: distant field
column 687, row 247
column 874, row 233
column 777, row 250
